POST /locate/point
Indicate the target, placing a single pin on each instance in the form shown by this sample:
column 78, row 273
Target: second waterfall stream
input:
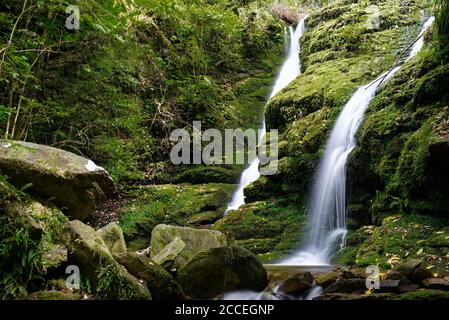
column 327, row 207
column 289, row 71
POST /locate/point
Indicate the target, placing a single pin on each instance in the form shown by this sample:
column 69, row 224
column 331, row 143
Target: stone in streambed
column 399, row 276
column 326, row 279
column 388, row 286
column 75, row 184
column 436, row 283
column 160, row 283
column 346, row 286
column 354, row 296
column 297, row 283
column 219, row 270
column 414, row 269
column 196, row 240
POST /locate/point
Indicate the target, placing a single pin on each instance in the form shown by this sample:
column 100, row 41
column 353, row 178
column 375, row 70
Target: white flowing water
column 327, row 208
column 289, row 71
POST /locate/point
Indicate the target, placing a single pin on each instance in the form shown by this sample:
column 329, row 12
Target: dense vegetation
column 135, row 70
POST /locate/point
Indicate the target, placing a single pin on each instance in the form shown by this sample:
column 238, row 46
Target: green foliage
column 111, row 285
column 20, row 257
column 135, row 70
column 443, row 20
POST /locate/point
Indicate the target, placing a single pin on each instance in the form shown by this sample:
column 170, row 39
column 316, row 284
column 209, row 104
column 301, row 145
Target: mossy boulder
column 196, row 240
column 112, row 236
column 54, row 257
column 75, row 184
column 90, row 253
column 53, row 295
column 181, row 204
column 219, row 270
column 424, row 294
column 160, row 283
column 167, row 256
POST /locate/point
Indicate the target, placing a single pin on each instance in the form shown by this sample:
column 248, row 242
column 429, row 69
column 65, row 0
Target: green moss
column 169, row 204
column 424, row 294
column 406, row 237
column 270, row 227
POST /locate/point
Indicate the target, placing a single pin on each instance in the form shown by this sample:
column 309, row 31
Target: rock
column 420, row 273
column 408, row 267
column 297, row 283
column 397, row 275
column 219, row 270
column 24, row 210
column 160, row 283
column 113, row 237
column 424, row 294
column 358, row 273
column 354, row 296
column 54, row 257
column 436, row 283
column 388, row 286
column 326, row 279
column 90, row 253
column 196, row 240
column 53, row 295
column 408, row 288
column 414, row 269
column 167, row 256
column 75, row 184
column 204, row 218
column 346, row 286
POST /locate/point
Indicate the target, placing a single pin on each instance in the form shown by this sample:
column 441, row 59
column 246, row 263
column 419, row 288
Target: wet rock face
column 221, row 270
column 297, row 284
column 75, row 184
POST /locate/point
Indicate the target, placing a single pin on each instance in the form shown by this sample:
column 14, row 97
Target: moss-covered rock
column 271, row 228
column 405, row 237
column 160, row 283
column 73, row 183
column 196, row 240
column 112, row 236
column 220, row 270
column 53, row 295
column 90, row 253
column 182, row 204
column 424, row 294
column 167, row 256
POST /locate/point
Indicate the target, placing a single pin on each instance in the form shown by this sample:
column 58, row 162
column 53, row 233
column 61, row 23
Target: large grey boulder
column 90, row 253
column 221, row 270
column 196, row 240
column 75, row 184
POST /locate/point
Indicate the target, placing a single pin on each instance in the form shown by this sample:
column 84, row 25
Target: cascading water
column 289, row 71
column 327, row 224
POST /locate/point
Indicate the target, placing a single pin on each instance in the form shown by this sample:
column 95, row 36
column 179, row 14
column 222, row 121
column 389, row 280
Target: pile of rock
column 409, row 280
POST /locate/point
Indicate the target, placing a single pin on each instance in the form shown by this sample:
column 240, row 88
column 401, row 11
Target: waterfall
column 289, row 71
column 327, row 207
